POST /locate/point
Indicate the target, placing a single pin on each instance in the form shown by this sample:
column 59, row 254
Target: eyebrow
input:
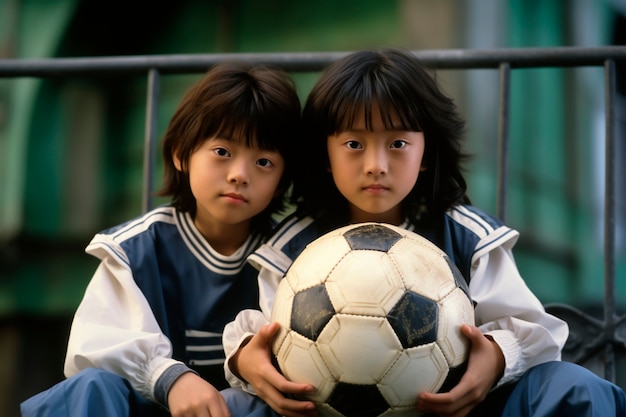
column 369, row 130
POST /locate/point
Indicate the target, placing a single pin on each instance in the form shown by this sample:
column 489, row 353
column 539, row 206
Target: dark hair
column 253, row 104
column 401, row 85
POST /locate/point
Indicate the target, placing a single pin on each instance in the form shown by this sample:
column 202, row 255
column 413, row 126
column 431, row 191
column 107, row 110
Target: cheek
column 272, row 186
column 339, row 165
column 197, row 185
column 343, row 181
column 200, row 176
column 333, row 155
column 410, row 172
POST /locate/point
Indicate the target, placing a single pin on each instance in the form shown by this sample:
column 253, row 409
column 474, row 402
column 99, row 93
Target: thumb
column 472, row 333
column 268, row 331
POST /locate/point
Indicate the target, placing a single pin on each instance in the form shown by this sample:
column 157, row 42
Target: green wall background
column 72, row 148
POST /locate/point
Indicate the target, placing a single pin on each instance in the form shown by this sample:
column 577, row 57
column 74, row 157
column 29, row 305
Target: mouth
column 234, row 197
column 375, row 188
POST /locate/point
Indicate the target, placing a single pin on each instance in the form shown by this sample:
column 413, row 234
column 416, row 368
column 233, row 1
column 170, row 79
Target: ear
column 423, row 168
column 176, row 161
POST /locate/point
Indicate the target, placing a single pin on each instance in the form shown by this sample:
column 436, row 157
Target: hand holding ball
column 370, row 315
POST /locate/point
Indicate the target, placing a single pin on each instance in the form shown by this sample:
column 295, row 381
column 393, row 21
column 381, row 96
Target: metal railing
column 588, row 335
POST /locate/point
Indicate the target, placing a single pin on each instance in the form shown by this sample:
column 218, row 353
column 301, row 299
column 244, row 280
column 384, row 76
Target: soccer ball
column 370, row 315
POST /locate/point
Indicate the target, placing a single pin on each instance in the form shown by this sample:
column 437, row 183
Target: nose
column 375, row 161
column 238, row 173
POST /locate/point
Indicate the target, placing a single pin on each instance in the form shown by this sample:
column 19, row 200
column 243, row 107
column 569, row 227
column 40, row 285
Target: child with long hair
column 146, row 338
column 384, row 145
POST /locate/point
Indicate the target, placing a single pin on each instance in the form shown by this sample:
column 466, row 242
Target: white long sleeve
column 248, row 323
column 158, row 302
column 114, row 329
column 507, row 310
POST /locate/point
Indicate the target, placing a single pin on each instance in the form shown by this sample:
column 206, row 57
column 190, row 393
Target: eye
column 264, row 162
column 221, row 152
column 353, row 144
column 398, row 143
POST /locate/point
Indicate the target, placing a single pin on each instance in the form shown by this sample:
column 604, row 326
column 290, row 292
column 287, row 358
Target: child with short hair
column 146, row 338
column 384, row 145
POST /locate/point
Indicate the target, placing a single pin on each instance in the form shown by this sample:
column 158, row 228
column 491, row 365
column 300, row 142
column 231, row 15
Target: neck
column 224, row 238
column 393, row 217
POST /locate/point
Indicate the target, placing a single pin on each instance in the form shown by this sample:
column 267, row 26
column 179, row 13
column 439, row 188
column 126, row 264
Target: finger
column 472, row 333
column 292, row 408
column 287, row 397
column 286, row 406
column 429, row 399
column 265, row 334
column 275, row 386
column 290, row 388
column 277, row 379
column 268, row 331
column 218, row 408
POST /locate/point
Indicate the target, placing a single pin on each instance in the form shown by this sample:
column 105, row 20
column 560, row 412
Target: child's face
column 232, row 182
column 375, row 170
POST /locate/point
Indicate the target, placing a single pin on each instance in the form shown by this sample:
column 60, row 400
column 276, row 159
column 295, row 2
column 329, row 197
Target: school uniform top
column 479, row 245
column 158, row 302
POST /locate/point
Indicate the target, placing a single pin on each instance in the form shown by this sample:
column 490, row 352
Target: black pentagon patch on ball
column 372, row 237
column 354, row 400
column 414, row 320
column 311, row 311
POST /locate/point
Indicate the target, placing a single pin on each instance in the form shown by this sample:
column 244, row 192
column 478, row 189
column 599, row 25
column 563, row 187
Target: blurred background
column 71, row 149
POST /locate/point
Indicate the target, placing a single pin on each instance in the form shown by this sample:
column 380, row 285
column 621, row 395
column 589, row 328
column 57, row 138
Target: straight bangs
column 362, row 94
column 236, row 129
column 242, row 123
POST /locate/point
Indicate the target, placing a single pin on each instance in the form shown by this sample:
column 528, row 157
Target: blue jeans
column 97, row 393
column 564, row 389
column 91, row 392
column 553, row 389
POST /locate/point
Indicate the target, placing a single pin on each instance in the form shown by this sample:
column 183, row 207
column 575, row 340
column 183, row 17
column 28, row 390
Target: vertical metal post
column 503, row 138
column 609, row 219
column 150, row 139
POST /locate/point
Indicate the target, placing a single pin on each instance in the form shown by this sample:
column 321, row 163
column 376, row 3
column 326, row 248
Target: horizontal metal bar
column 568, row 56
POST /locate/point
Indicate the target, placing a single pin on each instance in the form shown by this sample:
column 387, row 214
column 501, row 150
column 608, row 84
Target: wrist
column 499, row 355
column 233, row 363
column 167, row 380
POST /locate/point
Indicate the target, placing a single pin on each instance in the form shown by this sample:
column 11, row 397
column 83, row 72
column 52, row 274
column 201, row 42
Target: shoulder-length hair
column 256, row 105
column 401, row 86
